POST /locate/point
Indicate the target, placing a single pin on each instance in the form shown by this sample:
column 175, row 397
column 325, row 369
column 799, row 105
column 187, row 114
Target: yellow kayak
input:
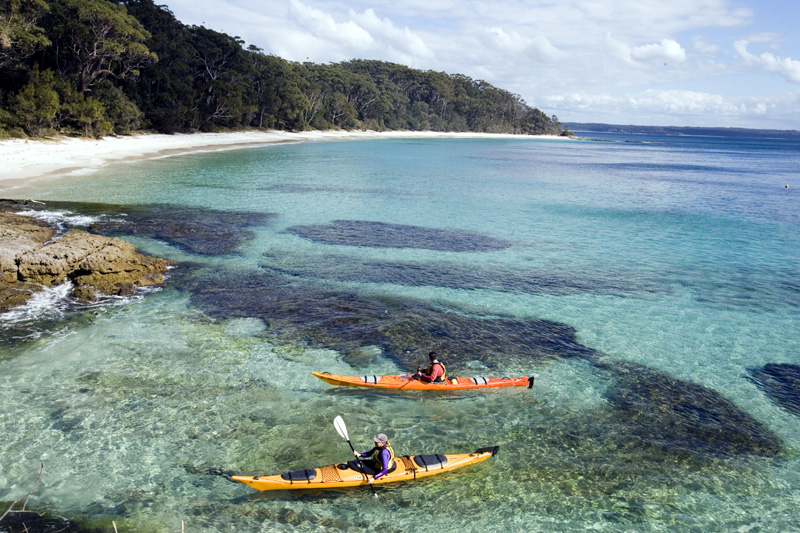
column 407, row 382
column 350, row 474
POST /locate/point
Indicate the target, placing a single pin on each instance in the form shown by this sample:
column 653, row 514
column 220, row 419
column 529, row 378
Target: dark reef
column 781, row 382
column 195, row 229
column 441, row 274
column 383, row 235
column 405, row 329
column 666, row 412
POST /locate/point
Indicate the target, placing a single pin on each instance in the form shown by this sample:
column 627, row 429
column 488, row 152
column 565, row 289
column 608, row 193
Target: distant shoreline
column 705, row 131
column 28, row 160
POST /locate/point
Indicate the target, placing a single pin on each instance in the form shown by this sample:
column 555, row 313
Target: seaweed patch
column 781, row 382
column 405, row 329
column 383, row 235
column 195, row 229
column 681, row 416
column 201, row 231
column 347, row 268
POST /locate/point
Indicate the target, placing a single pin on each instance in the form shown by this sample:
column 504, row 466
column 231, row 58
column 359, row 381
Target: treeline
column 98, row 67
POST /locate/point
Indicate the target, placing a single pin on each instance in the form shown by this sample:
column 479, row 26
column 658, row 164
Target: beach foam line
column 23, row 159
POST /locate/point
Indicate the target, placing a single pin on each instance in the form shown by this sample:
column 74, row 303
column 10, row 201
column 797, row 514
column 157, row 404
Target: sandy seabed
column 22, row 160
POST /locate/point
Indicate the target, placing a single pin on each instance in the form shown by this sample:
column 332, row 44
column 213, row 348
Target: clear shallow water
column 677, row 253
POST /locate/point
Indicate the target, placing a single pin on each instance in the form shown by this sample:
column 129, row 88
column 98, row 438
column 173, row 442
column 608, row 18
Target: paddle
column 338, row 423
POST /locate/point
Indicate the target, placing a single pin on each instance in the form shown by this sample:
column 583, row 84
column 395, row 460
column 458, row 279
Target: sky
column 720, row 63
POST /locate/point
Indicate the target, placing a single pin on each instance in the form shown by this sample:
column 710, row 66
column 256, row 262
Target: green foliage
column 130, row 64
column 88, row 114
column 122, row 114
column 9, row 125
column 96, row 39
column 38, row 103
column 20, row 37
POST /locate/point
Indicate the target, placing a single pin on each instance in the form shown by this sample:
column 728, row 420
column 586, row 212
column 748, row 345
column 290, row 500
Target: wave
column 61, row 218
column 51, row 302
column 55, row 304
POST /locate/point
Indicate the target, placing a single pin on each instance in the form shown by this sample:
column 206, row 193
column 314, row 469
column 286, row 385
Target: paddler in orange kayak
column 382, row 456
column 435, row 373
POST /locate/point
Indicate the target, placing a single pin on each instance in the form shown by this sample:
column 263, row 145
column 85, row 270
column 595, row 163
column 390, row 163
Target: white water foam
column 61, row 218
column 48, row 303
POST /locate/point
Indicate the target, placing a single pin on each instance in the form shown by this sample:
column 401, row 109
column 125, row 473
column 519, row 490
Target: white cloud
column 384, row 31
column 538, row 47
column 678, row 108
column 324, row 26
column 785, row 67
column 702, row 46
column 666, row 50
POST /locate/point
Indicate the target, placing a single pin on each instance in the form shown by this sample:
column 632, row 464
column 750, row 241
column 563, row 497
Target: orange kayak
column 407, row 382
column 354, row 473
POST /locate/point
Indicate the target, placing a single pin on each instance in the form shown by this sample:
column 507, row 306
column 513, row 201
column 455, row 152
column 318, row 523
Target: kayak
column 407, row 382
column 355, row 473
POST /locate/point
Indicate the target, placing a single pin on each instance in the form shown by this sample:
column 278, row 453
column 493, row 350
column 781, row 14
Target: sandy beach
column 24, row 160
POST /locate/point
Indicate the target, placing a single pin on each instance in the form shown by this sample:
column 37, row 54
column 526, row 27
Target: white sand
column 24, row 160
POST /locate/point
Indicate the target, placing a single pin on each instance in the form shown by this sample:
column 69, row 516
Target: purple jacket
column 384, row 455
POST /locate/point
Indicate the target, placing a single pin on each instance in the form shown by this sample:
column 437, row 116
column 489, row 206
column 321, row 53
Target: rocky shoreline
column 33, row 256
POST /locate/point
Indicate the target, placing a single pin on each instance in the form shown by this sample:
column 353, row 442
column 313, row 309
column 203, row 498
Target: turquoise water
column 678, row 254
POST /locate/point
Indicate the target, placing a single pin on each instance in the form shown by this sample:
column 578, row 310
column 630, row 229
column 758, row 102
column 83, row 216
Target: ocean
column 651, row 284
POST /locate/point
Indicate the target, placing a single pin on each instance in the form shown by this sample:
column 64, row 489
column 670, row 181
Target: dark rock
column 343, row 267
column 29, row 521
column 405, row 329
column 197, row 230
column 681, row 416
column 781, row 382
column 384, row 235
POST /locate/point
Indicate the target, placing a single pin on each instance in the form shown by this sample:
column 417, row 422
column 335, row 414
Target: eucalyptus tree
column 94, row 40
column 20, row 35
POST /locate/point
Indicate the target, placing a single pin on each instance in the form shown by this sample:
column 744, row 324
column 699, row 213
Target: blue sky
column 649, row 62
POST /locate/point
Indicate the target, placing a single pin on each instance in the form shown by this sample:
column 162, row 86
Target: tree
column 97, row 39
column 38, row 103
column 165, row 91
column 20, row 37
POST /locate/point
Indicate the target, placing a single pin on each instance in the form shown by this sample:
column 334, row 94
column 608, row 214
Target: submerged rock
column 197, row 230
column 681, row 416
column 404, row 329
column 384, row 235
column 781, row 382
column 342, row 267
column 28, row 521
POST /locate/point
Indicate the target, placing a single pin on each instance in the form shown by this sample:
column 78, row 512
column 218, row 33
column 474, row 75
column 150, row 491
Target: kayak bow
column 407, row 382
column 352, row 473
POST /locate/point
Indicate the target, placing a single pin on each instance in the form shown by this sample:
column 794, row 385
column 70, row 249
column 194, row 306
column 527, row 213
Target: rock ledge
column 31, row 259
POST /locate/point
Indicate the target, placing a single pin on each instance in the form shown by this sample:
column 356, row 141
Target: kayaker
column 381, row 456
column 435, row 373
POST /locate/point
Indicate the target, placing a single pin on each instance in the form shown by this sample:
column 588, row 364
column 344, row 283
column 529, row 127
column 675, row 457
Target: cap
column 380, row 437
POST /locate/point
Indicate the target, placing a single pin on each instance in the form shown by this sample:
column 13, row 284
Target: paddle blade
column 338, row 423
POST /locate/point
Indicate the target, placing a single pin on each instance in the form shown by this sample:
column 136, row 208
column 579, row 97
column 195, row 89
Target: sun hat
column 380, row 437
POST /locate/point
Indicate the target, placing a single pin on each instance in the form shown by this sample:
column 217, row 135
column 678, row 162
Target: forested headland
column 100, row 67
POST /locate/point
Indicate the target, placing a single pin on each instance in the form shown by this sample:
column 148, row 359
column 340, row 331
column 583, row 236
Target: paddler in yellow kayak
column 382, row 458
column 435, row 373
